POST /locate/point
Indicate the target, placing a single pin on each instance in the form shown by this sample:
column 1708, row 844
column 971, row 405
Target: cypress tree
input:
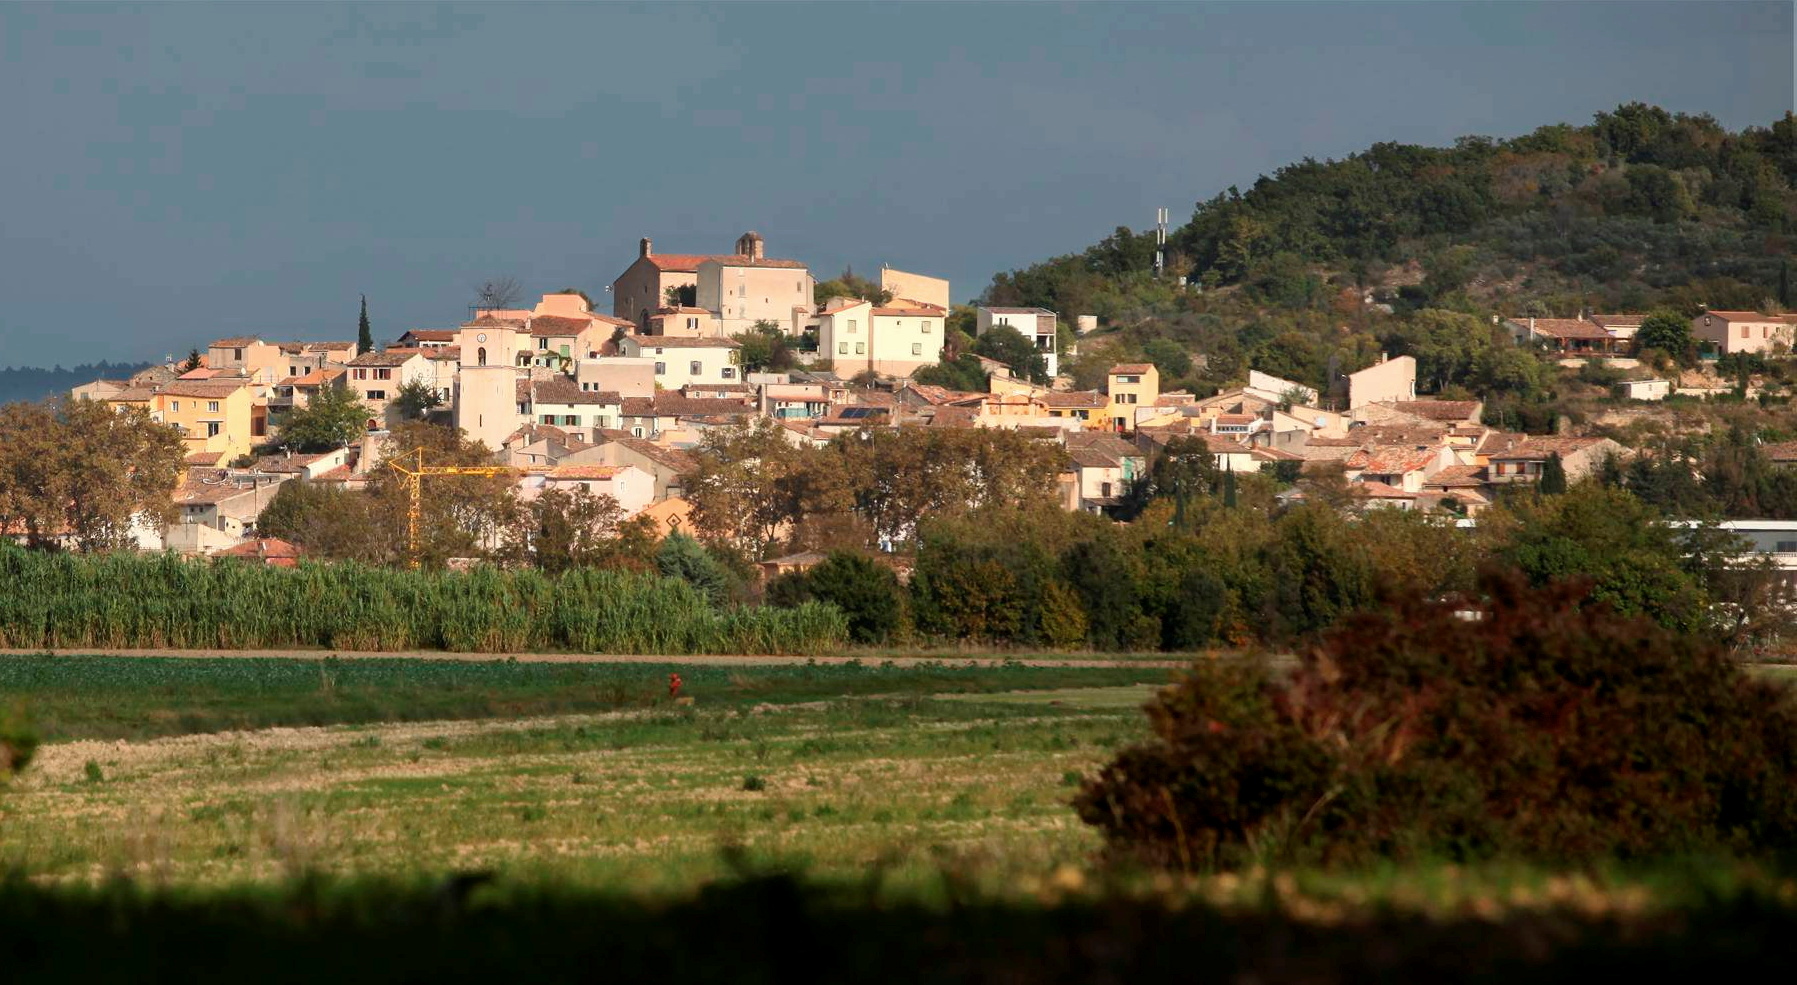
column 1229, row 487
column 1553, row 476
column 1784, row 284
column 364, row 335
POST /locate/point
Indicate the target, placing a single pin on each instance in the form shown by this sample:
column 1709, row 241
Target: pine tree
column 1553, row 476
column 364, row 335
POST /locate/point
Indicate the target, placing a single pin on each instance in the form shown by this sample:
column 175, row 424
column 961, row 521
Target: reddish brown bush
column 1545, row 727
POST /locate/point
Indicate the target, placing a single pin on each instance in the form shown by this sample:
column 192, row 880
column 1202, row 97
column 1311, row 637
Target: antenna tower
column 1160, row 242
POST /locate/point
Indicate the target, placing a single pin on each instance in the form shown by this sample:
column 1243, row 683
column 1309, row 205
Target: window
column 1126, row 398
column 842, row 349
column 237, row 354
column 926, row 326
column 362, row 374
column 1129, row 379
column 564, row 352
column 692, row 324
column 1104, row 490
column 1744, row 331
column 543, row 343
column 547, row 419
column 860, row 347
column 636, row 432
column 851, row 326
column 377, row 394
column 694, row 368
column 729, row 372
column 1787, row 547
column 174, row 406
column 571, row 420
column 742, row 290
column 212, row 406
column 661, row 369
column 659, row 352
column 383, row 374
column 213, row 428
column 917, row 348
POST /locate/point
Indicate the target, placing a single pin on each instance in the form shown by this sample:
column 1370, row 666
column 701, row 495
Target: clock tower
column 486, row 399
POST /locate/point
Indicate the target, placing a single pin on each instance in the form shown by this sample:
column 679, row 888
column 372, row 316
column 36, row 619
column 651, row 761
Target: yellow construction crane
column 415, row 481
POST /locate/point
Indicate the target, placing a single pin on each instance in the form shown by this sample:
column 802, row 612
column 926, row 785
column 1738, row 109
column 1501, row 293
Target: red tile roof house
column 270, row 551
column 1568, row 336
column 1523, row 462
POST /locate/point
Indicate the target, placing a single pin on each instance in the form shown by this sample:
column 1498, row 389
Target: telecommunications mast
column 1160, row 242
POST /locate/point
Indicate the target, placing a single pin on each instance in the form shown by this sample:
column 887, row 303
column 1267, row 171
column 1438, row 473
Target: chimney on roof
column 645, row 248
column 1531, row 324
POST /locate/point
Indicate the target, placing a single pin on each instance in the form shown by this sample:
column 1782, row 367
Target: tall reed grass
column 64, row 601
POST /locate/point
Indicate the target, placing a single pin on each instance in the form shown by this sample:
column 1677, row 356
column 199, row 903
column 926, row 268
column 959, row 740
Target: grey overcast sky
column 173, row 173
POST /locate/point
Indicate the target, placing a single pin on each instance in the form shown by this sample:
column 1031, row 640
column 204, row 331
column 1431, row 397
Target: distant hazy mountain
column 29, row 383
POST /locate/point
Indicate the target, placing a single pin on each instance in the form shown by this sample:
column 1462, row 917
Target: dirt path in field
column 709, row 660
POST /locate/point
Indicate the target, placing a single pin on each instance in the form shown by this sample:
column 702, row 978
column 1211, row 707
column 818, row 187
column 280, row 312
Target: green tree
column 415, row 399
column 193, row 361
column 867, row 592
column 1553, row 476
column 961, row 373
column 333, row 419
column 682, row 557
column 1169, row 357
column 847, row 285
column 1669, row 332
column 764, row 347
column 364, row 334
column 1008, row 346
column 680, row 296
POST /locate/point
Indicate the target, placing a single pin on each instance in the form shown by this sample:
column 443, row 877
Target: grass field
column 928, row 802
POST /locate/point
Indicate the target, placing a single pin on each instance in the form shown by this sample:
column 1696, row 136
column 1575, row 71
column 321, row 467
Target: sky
column 173, row 173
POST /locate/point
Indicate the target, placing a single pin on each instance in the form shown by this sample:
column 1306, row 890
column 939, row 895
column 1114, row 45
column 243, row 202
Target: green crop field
column 215, row 801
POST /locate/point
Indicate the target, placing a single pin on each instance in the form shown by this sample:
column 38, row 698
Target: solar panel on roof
column 855, row 413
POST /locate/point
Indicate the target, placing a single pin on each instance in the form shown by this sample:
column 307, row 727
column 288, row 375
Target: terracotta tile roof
column 261, row 548
column 339, row 474
column 1745, row 316
column 326, row 346
column 205, row 458
column 1266, row 454
column 681, row 462
column 1563, row 328
column 584, row 471
column 1236, row 419
column 1439, row 410
column 1784, row 451
column 1540, row 447
column 555, row 326
column 613, row 321
column 1103, row 442
column 205, row 389
column 667, row 404
column 1131, row 368
column 1391, row 460
column 1092, row 458
column 1458, row 476
column 235, row 342
column 1222, row 444
column 317, row 377
column 683, row 263
column 561, row 390
column 682, row 342
column 488, row 321
column 1617, row 321
column 447, row 353
column 1075, row 399
column 845, row 305
column 928, row 312
column 430, row 335
column 1379, row 490
column 936, row 395
column 391, row 357
column 1020, row 311
column 953, row 417
column 680, row 310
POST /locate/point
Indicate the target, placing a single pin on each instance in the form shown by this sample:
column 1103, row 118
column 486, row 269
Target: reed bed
column 64, row 601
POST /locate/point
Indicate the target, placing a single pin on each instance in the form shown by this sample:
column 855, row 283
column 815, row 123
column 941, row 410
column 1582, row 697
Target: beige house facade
column 1744, row 331
column 915, row 288
column 681, row 362
column 1383, row 382
column 749, row 287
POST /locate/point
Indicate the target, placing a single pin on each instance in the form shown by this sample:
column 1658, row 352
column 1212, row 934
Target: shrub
column 18, row 743
column 1537, row 725
column 865, row 591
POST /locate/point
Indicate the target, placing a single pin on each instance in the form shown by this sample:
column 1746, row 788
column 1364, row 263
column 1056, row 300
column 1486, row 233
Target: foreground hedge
column 63, row 601
column 1542, row 727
